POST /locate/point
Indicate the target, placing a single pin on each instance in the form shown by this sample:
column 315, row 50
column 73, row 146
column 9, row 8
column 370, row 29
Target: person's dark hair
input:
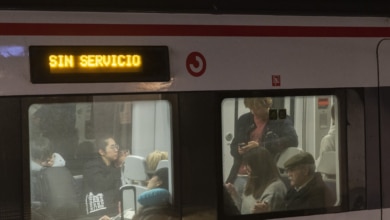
column 264, row 171
column 85, row 150
column 101, row 142
column 40, row 148
column 162, row 175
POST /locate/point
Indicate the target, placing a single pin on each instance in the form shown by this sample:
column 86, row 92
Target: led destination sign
column 90, row 63
column 79, row 64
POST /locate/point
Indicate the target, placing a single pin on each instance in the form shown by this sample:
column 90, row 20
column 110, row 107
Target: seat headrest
column 135, row 168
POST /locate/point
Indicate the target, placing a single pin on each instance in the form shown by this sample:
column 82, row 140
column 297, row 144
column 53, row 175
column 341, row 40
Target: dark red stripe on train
column 187, row 30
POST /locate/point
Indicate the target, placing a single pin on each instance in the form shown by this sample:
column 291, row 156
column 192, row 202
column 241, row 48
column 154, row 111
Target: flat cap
column 298, row 159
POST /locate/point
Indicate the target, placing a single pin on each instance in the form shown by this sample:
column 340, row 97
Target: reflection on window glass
column 82, row 153
column 283, row 153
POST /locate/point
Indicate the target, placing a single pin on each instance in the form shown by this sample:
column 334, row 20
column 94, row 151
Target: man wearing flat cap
column 308, row 190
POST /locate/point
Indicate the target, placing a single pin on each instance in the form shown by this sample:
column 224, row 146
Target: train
column 177, row 83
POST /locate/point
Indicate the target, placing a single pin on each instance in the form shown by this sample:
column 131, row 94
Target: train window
column 280, row 154
column 85, row 156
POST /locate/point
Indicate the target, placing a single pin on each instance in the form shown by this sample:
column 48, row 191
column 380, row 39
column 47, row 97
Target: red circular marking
column 196, row 64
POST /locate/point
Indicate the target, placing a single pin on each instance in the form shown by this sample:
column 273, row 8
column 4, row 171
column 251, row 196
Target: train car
column 186, row 86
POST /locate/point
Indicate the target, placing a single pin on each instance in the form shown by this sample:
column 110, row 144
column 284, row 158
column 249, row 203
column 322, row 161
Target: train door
column 383, row 52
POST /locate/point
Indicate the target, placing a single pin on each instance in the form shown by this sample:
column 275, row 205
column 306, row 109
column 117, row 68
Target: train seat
column 59, row 192
column 129, row 203
column 135, row 170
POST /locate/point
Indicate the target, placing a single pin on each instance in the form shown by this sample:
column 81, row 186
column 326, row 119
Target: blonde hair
column 255, row 103
column 259, row 106
column 153, row 158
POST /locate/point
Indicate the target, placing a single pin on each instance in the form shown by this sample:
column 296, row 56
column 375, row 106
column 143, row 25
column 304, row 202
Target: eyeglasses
column 114, row 147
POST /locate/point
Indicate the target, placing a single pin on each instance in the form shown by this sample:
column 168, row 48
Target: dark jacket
column 277, row 136
column 314, row 195
column 101, row 188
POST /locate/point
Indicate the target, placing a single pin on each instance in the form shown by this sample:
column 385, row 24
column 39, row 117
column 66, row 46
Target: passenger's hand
column 121, row 158
column 250, row 145
column 261, row 207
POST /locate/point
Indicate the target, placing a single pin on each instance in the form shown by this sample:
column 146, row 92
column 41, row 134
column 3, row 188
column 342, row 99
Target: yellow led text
column 61, row 61
column 95, row 61
column 110, row 61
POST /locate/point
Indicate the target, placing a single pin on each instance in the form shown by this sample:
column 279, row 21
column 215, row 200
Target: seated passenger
column 308, row 190
column 157, row 193
column 42, row 155
column 52, row 189
column 156, row 200
column 102, row 180
column 264, row 191
column 154, row 158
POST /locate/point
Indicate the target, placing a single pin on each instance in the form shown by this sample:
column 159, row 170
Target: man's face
column 297, row 175
column 111, row 151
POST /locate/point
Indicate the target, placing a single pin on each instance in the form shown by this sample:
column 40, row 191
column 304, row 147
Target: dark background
column 274, row 7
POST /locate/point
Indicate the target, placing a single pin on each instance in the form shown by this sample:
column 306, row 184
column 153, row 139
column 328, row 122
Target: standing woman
column 264, row 190
column 256, row 129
